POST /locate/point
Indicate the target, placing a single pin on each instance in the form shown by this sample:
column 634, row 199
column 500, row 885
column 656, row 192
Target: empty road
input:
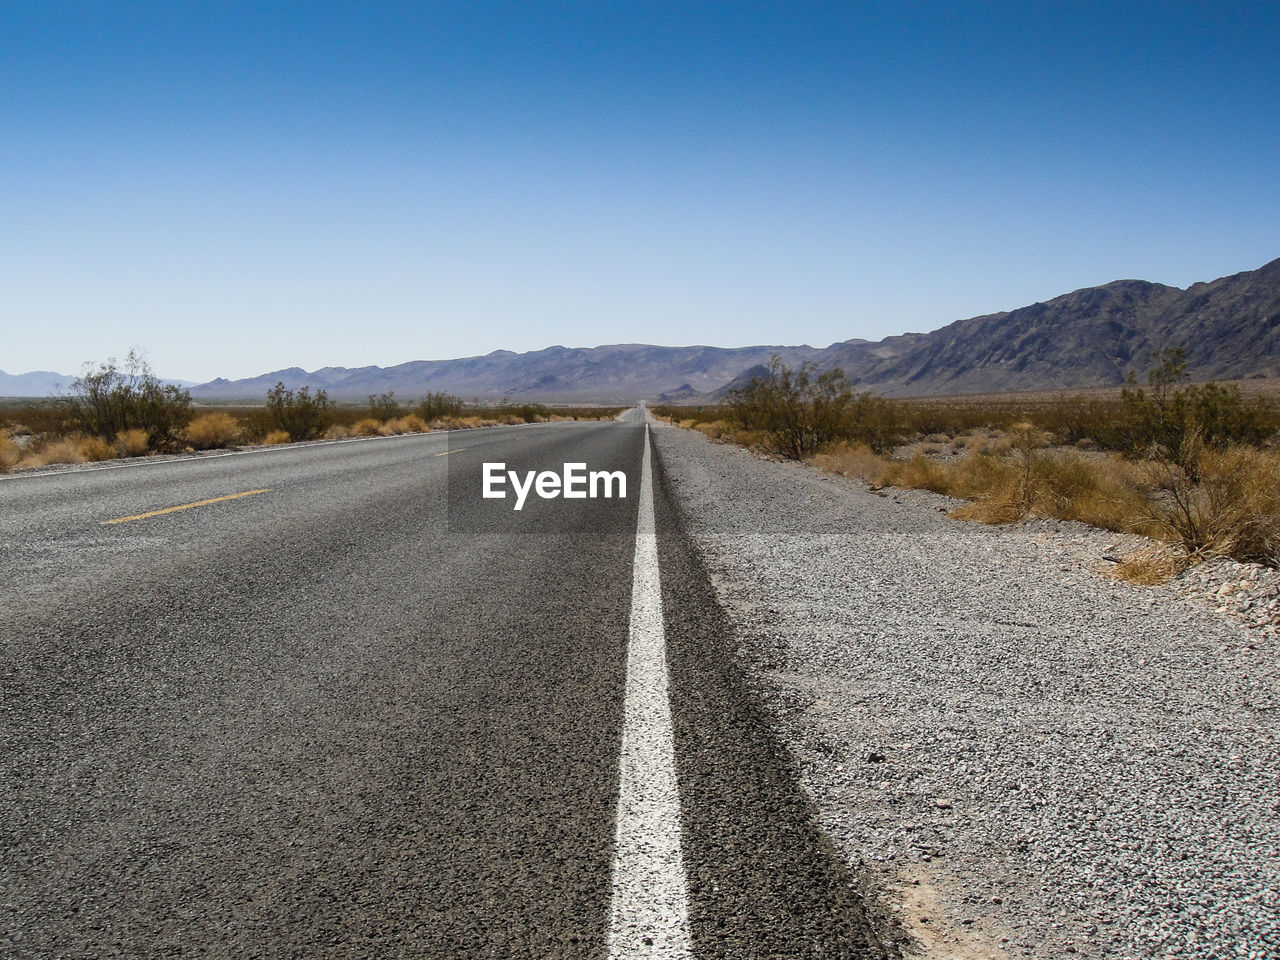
column 329, row 701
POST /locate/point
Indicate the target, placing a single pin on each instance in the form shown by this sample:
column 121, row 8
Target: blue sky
column 238, row 187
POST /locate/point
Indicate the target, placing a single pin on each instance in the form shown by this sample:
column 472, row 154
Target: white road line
column 650, row 915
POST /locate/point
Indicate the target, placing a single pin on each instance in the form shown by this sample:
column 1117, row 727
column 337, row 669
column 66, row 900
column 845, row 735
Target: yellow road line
column 447, row 452
column 185, row 506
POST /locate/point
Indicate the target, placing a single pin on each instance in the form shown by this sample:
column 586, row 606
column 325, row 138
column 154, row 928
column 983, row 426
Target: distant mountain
column 1092, row 337
column 38, row 383
column 44, row 383
column 1089, row 338
column 620, row 373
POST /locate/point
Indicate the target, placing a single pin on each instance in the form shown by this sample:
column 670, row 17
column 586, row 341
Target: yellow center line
column 185, row 506
column 447, row 452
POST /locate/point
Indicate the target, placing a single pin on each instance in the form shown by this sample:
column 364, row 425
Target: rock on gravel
column 1027, row 756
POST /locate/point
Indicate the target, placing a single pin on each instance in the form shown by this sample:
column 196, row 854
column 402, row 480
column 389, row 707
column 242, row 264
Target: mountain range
column 1229, row 328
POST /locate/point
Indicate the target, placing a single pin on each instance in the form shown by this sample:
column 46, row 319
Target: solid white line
column 650, row 916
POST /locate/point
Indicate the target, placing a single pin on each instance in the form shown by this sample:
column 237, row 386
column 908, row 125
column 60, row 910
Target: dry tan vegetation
column 66, row 450
column 1152, row 565
column 132, row 443
column 276, row 437
column 461, row 423
column 10, row 453
column 397, row 426
column 1233, row 509
column 212, row 431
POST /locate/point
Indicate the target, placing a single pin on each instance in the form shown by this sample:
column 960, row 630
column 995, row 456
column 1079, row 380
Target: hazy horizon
column 244, row 188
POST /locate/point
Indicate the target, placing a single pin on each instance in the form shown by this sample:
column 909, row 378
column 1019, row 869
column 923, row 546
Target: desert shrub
column 714, row 429
column 530, row 412
column 802, row 410
column 94, row 449
column 368, row 427
column 458, row 423
column 338, row 431
column 853, row 460
column 435, row 406
column 385, row 406
column 983, row 473
column 1151, row 565
column 402, row 425
column 66, row 450
column 674, row 414
column 920, row 472
column 1080, row 418
column 298, row 413
column 1166, row 420
column 276, row 437
column 1227, row 504
column 212, row 431
column 755, row 439
column 10, row 453
column 108, row 400
column 132, row 443
column 49, row 418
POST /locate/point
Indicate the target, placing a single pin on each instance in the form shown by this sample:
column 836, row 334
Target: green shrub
column 1171, row 422
column 803, row 410
column 298, row 414
column 435, row 406
column 109, row 400
column 385, row 406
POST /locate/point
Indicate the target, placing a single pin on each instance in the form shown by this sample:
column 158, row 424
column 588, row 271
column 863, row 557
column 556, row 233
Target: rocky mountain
column 1230, row 329
column 620, row 373
column 1092, row 337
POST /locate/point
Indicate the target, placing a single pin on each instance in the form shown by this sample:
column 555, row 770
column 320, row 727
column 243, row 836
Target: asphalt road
column 346, row 707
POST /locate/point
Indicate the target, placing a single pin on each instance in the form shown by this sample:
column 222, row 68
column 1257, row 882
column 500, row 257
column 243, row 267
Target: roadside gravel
column 1026, row 756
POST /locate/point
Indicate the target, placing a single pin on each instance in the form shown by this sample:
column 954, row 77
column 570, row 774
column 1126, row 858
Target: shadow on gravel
column 764, row 880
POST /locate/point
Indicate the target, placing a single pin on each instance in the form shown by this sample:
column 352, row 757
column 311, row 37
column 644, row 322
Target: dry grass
column 132, row 443
column 76, row 448
column 338, row 431
column 398, row 426
column 461, row 423
column 855, row 460
column 1233, row 510
column 1151, row 566
column 714, row 429
column 213, row 431
column 368, row 427
column 919, row 473
column 10, row 453
column 276, row 437
column 1228, row 504
column 95, row 449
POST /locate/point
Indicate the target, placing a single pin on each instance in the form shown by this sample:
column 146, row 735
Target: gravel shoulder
column 1024, row 756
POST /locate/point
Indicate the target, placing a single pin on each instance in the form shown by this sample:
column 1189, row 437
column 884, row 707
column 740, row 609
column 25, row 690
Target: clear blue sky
column 237, row 187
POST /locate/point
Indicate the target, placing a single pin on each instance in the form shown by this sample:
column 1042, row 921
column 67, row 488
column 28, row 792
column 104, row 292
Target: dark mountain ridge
column 1087, row 338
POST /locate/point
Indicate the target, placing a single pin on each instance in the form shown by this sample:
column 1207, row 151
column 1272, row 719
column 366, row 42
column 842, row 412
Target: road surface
column 337, row 704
